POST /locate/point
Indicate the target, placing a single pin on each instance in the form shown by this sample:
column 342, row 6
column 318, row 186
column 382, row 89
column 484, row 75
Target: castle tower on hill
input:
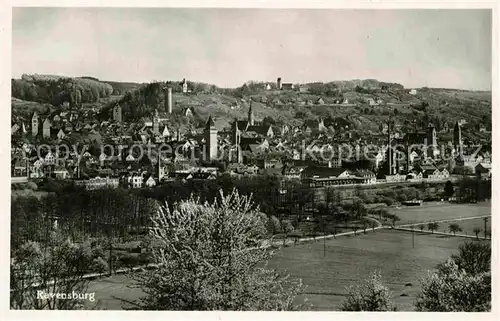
column 251, row 119
column 168, row 100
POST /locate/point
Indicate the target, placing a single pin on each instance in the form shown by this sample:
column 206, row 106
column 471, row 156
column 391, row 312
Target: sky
column 427, row 47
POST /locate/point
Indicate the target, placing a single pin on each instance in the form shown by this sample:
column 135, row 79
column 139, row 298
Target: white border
column 5, row 110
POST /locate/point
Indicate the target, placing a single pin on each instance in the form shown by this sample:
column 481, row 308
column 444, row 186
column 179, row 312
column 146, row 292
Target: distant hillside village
column 151, row 150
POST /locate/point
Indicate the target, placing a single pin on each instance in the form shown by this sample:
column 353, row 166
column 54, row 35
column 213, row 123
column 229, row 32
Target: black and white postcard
column 249, row 157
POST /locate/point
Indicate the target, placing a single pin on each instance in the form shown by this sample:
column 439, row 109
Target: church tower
column 117, row 113
column 237, row 141
column 431, row 141
column 34, row 124
column 210, row 140
column 250, row 115
column 156, row 122
column 457, row 140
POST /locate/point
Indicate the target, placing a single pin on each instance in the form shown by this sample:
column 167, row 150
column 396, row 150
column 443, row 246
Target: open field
column 348, row 260
column 440, row 211
column 467, row 226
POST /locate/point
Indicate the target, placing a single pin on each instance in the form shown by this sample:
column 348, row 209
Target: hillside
column 442, row 107
column 439, row 106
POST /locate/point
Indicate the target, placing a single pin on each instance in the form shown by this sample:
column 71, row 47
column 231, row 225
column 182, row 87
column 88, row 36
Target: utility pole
column 324, row 237
column 485, row 226
column 324, row 242
column 413, row 236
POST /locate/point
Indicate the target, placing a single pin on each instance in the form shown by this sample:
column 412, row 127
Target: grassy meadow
column 348, row 260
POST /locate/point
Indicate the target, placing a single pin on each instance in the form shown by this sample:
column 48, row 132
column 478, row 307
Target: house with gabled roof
column 20, row 167
column 46, row 128
column 261, row 130
column 320, row 176
column 165, row 132
column 293, row 172
column 49, row 159
column 61, row 134
column 150, row 182
column 368, row 175
column 414, row 175
column 483, row 169
column 188, row 112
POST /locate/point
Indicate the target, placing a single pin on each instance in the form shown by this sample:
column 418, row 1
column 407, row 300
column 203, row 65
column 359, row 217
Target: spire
column 210, row 123
column 235, row 125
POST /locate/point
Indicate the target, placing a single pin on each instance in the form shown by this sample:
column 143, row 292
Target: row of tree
column 79, row 214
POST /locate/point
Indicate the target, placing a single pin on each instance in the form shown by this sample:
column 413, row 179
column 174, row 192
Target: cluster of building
column 247, row 147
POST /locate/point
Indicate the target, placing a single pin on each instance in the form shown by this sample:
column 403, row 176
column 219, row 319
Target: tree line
column 78, row 214
column 123, row 212
column 56, row 90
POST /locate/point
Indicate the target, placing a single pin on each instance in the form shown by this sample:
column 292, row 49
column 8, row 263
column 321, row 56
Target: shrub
column 473, row 257
column 370, row 296
column 32, row 186
column 100, row 265
column 452, row 289
column 387, row 200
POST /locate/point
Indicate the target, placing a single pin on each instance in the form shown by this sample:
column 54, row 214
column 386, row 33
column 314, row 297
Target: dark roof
column 364, row 172
column 322, row 172
column 261, row 130
column 242, row 124
column 249, row 140
column 415, row 138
